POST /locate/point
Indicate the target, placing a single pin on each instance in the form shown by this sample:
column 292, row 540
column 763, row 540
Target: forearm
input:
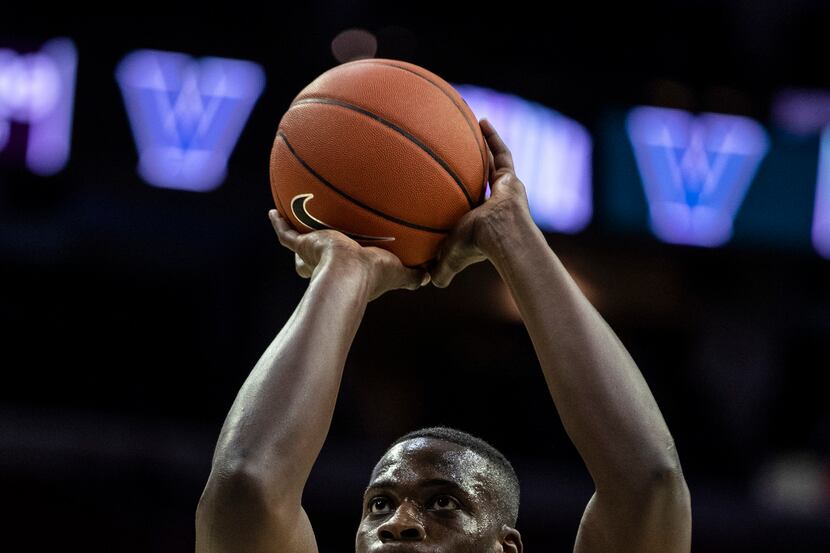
column 603, row 401
column 281, row 416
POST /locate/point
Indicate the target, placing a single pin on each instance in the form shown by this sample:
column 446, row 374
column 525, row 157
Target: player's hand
column 315, row 249
column 474, row 237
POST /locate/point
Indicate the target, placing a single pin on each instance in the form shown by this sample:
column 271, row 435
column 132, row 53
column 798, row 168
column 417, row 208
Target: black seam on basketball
column 394, row 127
column 386, row 216
column 484, row 159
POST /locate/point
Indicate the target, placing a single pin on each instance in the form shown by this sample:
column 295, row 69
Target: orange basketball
column 382, row 150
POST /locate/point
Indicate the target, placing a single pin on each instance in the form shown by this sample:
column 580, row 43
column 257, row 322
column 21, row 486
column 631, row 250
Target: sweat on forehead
column 431, row 454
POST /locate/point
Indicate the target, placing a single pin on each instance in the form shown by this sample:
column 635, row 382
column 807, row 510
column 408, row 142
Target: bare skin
column 432, row 495
column 276, row 427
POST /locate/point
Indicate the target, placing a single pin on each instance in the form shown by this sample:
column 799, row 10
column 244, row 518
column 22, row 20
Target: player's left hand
column 474, row 238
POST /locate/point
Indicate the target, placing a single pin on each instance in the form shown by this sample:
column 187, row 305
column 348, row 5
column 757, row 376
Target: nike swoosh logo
column 300, row 211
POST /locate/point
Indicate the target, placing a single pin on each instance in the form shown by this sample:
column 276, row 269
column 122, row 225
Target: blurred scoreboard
column 689, row 179
column 709, row 180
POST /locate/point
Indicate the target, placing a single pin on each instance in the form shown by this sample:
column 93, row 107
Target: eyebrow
column 429, row 483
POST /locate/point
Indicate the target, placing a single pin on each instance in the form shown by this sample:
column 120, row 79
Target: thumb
column 414, row 279
column 456, row 253
column 446, row 268
column 491, row 170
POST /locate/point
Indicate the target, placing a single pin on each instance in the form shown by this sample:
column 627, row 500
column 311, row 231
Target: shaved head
column 453, row 496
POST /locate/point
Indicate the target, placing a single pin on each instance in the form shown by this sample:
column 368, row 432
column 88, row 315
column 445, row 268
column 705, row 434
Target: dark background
column 131, row 315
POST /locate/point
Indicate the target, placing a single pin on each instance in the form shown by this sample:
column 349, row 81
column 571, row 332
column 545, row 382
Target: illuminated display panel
column 775, row 211
column 695, row 170
column 551, row 153
column 187, row 114
column 821, row 213
column 806, row 113
column 37, row 91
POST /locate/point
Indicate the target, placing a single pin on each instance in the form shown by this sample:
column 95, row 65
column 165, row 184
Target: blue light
column 821, row 216
column 807, row 112
column 551, row 153
column 695, row 170
column 37, row 90
column 802, row 112
column 187, row 114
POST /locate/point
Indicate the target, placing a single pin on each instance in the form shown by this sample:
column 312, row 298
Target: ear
column 510, row 540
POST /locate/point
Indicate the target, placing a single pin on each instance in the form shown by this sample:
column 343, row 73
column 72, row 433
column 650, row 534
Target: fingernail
column 425, row 280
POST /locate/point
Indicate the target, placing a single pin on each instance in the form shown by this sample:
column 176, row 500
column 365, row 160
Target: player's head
column 440, row 489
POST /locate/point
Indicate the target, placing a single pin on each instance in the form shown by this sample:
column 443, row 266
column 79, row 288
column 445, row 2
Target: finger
column 414, row 278
column 453, row 257
column 288, row 236
column 454, row 264
column 301, row 266
column 501, row 153
column 491, row 171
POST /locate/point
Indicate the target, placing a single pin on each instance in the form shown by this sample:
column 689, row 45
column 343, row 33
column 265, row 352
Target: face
column 429, row 495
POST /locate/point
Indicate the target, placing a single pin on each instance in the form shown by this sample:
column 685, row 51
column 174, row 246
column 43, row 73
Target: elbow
column 647, row 480
column 671, row 492
column 666, row 470
column 249, row 486
column 233, row 509
column 660, row 472
column 667, row 480
column 242, row 488
column 233, row 483
column 662, row 463
column 670, row 477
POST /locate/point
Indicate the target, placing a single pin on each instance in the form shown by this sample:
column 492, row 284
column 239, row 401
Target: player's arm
column 641, row 502
column 279, row 420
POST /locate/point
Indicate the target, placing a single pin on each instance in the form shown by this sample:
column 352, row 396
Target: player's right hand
column 477, row 234
column 313, row 250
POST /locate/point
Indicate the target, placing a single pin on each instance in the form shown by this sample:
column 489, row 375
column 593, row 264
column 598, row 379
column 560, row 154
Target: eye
column 382, row 504
column 445, row 503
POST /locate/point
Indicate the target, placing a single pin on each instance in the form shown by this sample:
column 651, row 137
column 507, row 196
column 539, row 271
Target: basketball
column 383, row 151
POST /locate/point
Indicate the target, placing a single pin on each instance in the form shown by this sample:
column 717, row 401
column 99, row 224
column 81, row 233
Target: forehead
column 419, row 459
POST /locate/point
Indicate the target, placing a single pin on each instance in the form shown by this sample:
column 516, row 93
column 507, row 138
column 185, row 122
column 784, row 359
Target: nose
column 405, row 525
